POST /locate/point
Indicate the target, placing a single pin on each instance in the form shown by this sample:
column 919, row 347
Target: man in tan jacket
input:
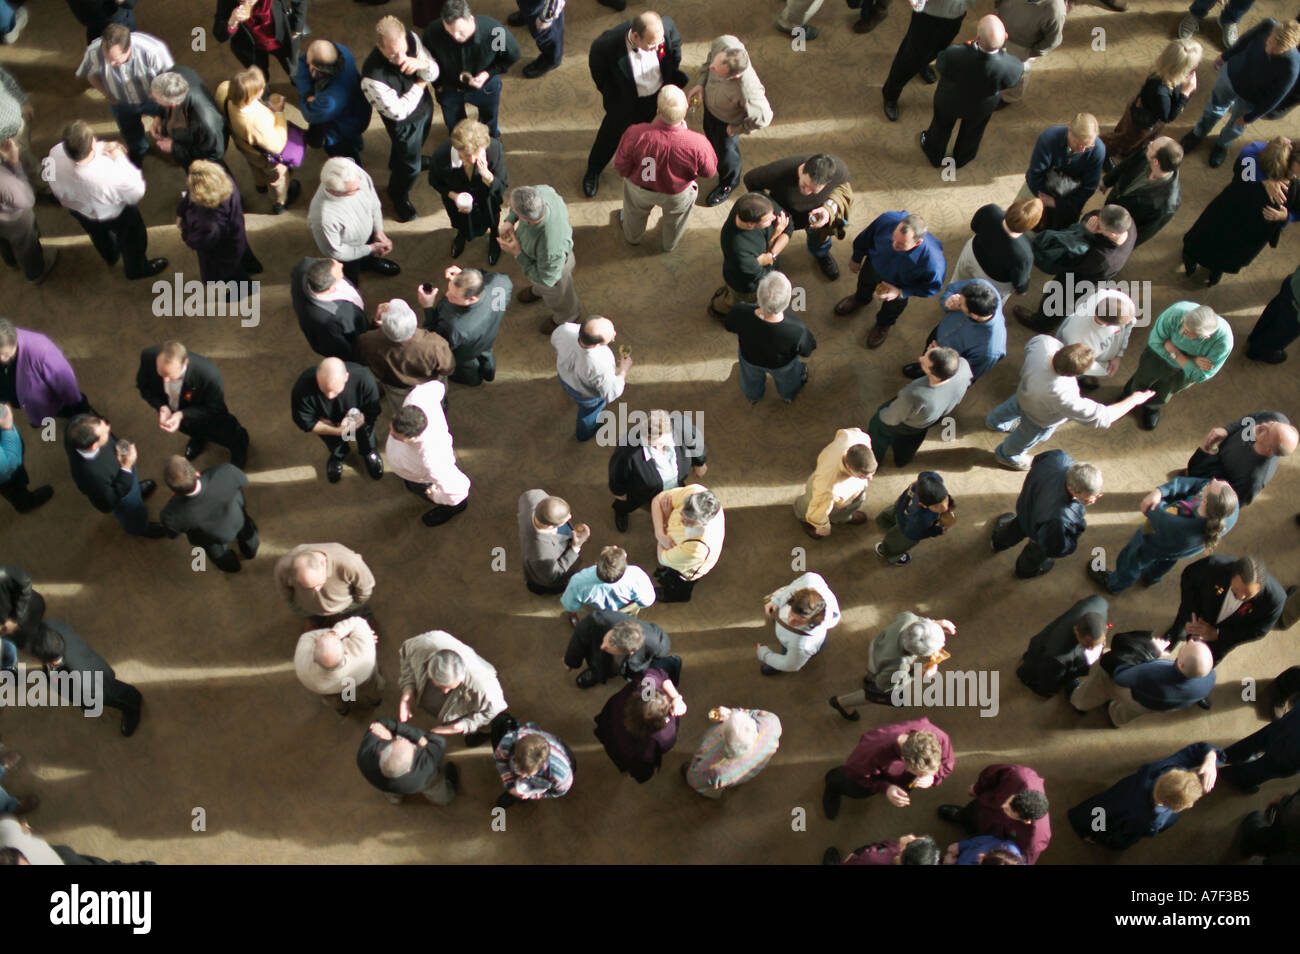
column 735, row 104
column 453, row 683
column 837, row 488
column 326, row 582
column 339, row 664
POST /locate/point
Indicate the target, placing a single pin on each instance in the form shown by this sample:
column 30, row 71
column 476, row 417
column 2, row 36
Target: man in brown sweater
column 401, row 354
column 325, row 582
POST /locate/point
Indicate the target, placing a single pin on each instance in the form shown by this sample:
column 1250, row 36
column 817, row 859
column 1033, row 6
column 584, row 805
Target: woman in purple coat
column 211, row 219
column 639, row 723
column 35, row 375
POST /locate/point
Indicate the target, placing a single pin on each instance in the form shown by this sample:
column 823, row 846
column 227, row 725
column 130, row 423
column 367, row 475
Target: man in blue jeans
column 12, row 21
column 771, row 342
column 587, row 369
column 1233, row 11
column 1255, row 74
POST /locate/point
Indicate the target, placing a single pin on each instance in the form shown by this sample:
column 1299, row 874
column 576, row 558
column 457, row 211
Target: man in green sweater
column 538, row 234
column 1188, row 344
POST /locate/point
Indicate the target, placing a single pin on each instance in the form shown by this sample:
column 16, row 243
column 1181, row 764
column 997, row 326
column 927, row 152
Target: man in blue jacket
column 973, row 325
column 1065, row 170
column 1049, row 511
column 330, row 98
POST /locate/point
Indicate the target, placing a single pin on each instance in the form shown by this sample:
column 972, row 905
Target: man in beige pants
column 1186, row 682
column 340, row 665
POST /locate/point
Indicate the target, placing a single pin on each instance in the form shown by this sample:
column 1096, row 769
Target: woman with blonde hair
column 270, row 143
column 1159, row 101
column 469, row 172
column 210, row 216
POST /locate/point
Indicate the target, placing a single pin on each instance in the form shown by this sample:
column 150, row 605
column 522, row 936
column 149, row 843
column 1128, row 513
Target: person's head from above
column 923, row 638
column 940, row 364
column 210, row 184
column 1114, row 222
column 1090, row 630
column 246, row 87
column 322, row 274
column 647, row 31
column 596, row 331
column 991, row 33
column 169, row 89
column 1114, row 309
column 922, row 850
column 660, row 428
column 12, row 857
column 1027, row 806
column 458, row 20
column 551, row 513
column 909, row 233
column 671, row 105
column 921, row 752
column 8, row 341
column 1279, row 160
column 774, row 293
column 1083, row 483
column 1284, row 38
column 328, row 653
column 446, row 670
column 623, row 639
column 1248, row 577
column 648, row 710
column 982, row 300
column 340, row 176
column 1194, row 659
column 729, row 64
column 311, row 569
column 1199, row 323
column 932, row 493
column 532, row 752
column 755, row 211
column 700, row 508
column 1218, row 503
column 397, row 758
column 1000, row 856
column 1177, row 61
column 1073, row 360
column 1272, row 438
column 331, row 377
column 1023, row 214
column 180, row 475
column 815, row 173
column 408, row 423
column 323, row 60
column 397, row 320
column 611, row 565
column 470, row 138
column 115, row 44
column 87, row 432
column 1165, row 155
column 1081, row 134
column 527, row 203
column 806, row 607
column 390, row 39
column 466, row 287
column 860, row 461
column 1177, row 790
column 739, row 733
column 48, row 645
column 78, row 140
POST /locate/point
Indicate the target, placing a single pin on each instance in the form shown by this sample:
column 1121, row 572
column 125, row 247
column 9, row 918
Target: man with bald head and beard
column 400, row 760
column 1245, row 452
column 330, row 98
column 339, row 664
column 339, row 401
column 588, row 370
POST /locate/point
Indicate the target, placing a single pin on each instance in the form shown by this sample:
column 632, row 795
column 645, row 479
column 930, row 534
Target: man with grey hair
column 1139, row 675
column 402, row 355
column 538, row 234
column 330, row 310
column 612, row 644
column 771, row 342
column 339, row 664
column 737, row 747
column 190, row 127
column 468, row 317
column 347, row 220
column 689, row 527
column 400, row 760
column 1188, row 344
column 1049, row 511
column 660, row 162
column 451, row 682
column 896, row 259
column 1245, row 452
column 907, row 642
column 903, row 421
column 588, row 370
column 735, row 104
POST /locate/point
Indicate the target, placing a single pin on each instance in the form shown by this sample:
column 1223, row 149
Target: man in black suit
column 1050, row 511
column 94, row 15
column 1227, row 601
column 630, row 64
column 1061, row 655
column 330, row 310
column 339, row 401
column 1272, row 752
column 971, row 79
column 1275, row 832
column 21, row 607
column 615, row 644
column 931, row 30
column 187, row 392
column 103, row 468
column 61, row 650
column 209, row 509
column 190, row 127
column 469, row 317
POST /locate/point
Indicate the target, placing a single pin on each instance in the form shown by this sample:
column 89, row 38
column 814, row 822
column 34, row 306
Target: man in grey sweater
column 735, row 103
column 903, row 421
column 347, row 220
column 549, row 542
column 1034, row 29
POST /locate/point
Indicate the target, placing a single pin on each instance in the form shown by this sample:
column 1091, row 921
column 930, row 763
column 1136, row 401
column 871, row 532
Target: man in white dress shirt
column 804, row 611
column 420, row 452
column 1103, row 321
column 122, row 66
column 97, row 183
column 339, row 664
column 347, row 220
column 587, row 369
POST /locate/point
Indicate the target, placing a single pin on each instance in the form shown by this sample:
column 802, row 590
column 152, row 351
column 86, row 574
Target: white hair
column 1084, row 479
column 171, row 88
column 922, row 638
column 338, row 173
column 739, row 733
column 774, row 293
column 1201, row 321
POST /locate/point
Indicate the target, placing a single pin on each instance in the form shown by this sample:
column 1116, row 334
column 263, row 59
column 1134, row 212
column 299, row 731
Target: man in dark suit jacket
column 209, row 509
column 191, row 127
column 1272, row 752
column 469, row 317
column 61, row 650
column 103, row 468
column 972, row 77
column 1275, row 832
column 1091, row 252
column 330, row 311
column 472, row 53
column 322, row 398
column 1049, row 511
column 1135, row 677
column 187, row 392
column 1146, row 183
column 616, row 644
column 21, row 607
column 1226, row 602
column 288, row 23
column 94, row 15
column 400, row 760
column 630, row 93
column 1060, row 656
column 634, row 476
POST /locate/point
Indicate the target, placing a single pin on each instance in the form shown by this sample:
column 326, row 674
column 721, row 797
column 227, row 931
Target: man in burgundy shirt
column 891, row 759
column 1010, row 802
column 908, row 850
column 659, row 162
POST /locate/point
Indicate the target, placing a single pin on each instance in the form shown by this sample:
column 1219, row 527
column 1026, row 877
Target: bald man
column 588, row 370
column 330, row 98
column 339, row 401
column 1138, row 676
column 400, row 760
column 972, row 77
column 339, row 664
column 1245, row 452
column 659, row 162
column 325, row 582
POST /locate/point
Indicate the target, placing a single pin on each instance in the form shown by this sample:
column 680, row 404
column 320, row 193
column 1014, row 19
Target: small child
column 925, row 509
column 610, row 585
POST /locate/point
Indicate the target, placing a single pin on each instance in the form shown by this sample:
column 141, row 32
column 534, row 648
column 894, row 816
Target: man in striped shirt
column 533, row 764
column 122, row 65
column 736, row 749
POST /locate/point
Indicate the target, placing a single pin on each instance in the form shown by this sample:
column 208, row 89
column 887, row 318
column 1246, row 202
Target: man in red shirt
column 659, row 162
column 891, row 759
column 1010, row 802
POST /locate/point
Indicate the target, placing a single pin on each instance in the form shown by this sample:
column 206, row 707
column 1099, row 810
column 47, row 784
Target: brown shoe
column 1025, row 316
column 858, row 517
column 847, row 306
column 876, row 337
column 547, row 325
column 809, row 529
column 527, row 296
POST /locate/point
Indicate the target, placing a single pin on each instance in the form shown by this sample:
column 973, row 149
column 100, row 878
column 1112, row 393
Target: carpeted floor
column 228, row 729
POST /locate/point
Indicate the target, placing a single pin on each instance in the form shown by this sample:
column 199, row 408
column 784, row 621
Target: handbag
column 292, row 153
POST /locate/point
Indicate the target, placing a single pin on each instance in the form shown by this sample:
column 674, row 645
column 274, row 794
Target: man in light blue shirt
column 609, row 585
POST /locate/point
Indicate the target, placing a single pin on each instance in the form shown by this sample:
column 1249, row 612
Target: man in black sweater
column 816, row 192
column 190, row 127
column 771, row 342
column 1225, row 602
column 1060, row 656
column 471, row 52
column 340, row 401
column 1049, row 511
column 630, row 63
column 1246, row 452
column 755, row 233
column 1146, row 184
column 469, row 317
column 401, row 760
column 615, row 644
column 330, row 311
column 209, row 509
column 21, row 607
column 187, row 392
column 95, row 15
column 61, row 650
column 1091, row 252
column 103, row 468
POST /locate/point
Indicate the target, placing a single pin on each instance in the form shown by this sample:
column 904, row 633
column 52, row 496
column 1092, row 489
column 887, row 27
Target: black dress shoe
column 440, row 514
column 950, row 813
column 147, row 487
column 374, row 466
column 1150, row 418
column 1100, row 577
column 194, row 448
column 928, row 76
column 295, row 190
column 382, row 266
column 36, row 498
column 458, row 245
column 913, row 370
column 853, row 716
column 613, row 4
column 151, row 268
column 130, row 721
column 494, row 256
column 590, row 183
column 830, row 268
column 517, row 19
column 334, row 470
column 620, row 521
column 586, row 679
column 155, row 531
column 538, row 67
column 405, row 211
column 831, row 806
column 1205, row 703
column 831, row 856
column 767, row 670
column 717, row 196
column 891, row 110
column 1070, row 686
column 451, row 772
column 239, row 453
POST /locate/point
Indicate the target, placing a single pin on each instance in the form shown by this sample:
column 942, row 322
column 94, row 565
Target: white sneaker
column 1229, row 31
column 1188, row 26
column 20, row 21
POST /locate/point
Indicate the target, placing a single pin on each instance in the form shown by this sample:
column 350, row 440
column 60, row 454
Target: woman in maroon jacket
column 211, row 219
column 639, row 723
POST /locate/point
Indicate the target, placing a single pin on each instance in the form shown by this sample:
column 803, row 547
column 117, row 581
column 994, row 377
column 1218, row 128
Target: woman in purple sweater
column 211, row 219
column 639, row 723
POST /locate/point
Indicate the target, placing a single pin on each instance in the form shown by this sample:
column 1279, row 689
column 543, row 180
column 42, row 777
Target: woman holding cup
column 469, row 172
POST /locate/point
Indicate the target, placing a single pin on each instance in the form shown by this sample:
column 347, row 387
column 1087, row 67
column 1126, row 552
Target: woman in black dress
column 469, row 172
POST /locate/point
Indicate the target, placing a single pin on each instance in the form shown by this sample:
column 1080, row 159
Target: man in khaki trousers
column 1185, row 683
